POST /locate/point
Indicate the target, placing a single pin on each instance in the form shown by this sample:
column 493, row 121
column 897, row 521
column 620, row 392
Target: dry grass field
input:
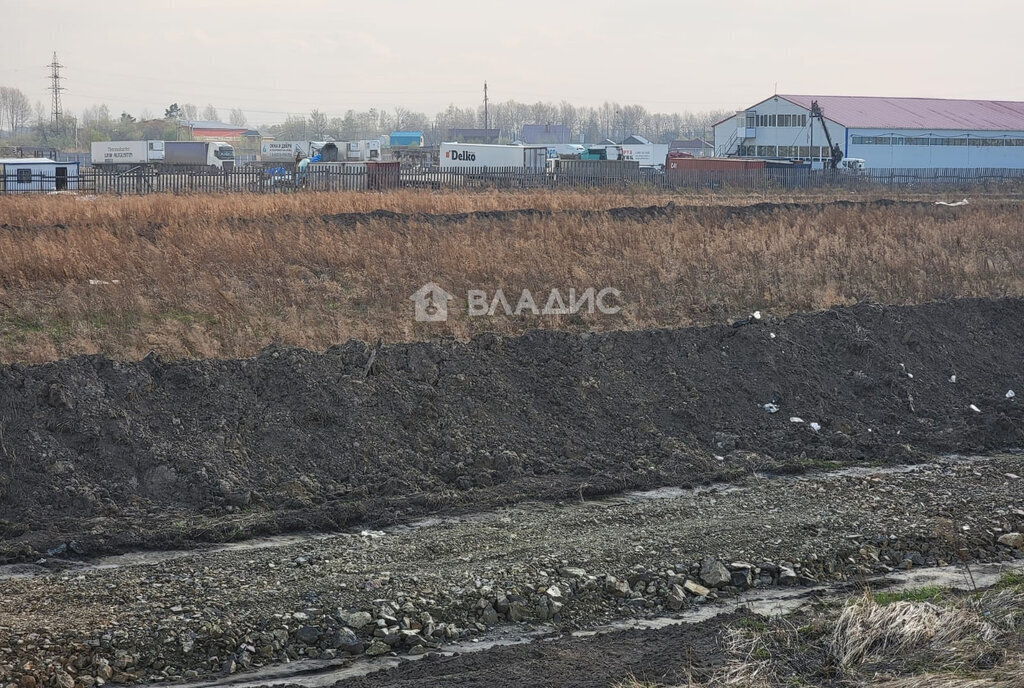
column 224, row 276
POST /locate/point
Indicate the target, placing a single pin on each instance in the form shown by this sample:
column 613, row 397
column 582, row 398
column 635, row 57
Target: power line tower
column 56, row 111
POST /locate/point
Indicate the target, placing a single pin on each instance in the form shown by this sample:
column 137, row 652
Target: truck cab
column 223, row 155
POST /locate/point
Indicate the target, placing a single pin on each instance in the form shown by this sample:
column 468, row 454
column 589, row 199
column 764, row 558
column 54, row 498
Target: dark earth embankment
column 115, row 455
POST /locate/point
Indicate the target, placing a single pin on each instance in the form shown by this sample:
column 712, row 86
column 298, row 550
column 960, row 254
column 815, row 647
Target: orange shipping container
column 712, row 164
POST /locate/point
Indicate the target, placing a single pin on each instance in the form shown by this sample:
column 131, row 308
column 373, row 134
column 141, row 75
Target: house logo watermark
column 432, row 302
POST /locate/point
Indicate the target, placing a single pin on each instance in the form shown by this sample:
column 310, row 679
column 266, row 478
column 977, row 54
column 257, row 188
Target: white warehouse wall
column 918, row 156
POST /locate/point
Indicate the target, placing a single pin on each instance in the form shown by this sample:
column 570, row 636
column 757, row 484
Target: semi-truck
column 463, row 155
column 163, row 155
column 108, row 153
column 215, row 155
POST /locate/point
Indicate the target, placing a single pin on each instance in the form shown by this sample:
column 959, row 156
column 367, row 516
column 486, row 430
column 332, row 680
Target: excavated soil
column 100, row 456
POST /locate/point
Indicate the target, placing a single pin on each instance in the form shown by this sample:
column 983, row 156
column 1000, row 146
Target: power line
column 56, row 112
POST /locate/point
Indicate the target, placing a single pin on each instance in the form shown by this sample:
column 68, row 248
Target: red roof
column 869, row 112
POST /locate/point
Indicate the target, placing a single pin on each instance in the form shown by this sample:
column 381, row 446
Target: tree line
column 21, row 124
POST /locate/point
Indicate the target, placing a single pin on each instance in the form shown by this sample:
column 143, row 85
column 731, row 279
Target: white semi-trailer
column 283, row 151
column 110, row 153
column 467, row 155
column 648, row 155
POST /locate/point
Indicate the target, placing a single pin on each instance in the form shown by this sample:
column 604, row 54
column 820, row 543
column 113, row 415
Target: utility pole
column 487, row 120
column 56, row 112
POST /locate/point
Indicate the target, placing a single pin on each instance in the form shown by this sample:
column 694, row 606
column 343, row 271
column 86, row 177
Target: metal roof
column 871, row 112
column 27, row 161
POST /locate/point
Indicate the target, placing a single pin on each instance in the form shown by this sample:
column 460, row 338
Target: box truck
column 111, row 153
column 212, row 155
column 468, row 155
column 648, row 154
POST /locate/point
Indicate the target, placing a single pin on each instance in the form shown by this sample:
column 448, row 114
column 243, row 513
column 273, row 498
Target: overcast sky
column 290, row 56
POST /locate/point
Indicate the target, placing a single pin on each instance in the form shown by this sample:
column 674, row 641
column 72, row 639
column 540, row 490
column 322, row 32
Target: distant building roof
column 407, row 133
column 873, row 112
column 545, row 133
column 636, row 140
column 688, row 144
column 26, row 161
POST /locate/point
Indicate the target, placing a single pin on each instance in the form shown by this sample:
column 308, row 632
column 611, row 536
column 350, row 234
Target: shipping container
column 674, row 163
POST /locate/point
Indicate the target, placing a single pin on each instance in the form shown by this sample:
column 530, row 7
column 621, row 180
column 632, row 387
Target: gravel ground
column 560, row 566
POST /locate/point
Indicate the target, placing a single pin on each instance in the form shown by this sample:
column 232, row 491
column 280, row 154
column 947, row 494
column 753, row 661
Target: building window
column 24, row 175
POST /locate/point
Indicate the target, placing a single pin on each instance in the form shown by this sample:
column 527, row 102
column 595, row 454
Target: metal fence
column 605, row 174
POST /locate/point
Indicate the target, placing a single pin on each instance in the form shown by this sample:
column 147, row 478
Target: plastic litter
column 756, row 315
column 1010, row 394
column 975, row 408
column 815, row 427
column 772, row 335
column 771, row 408
column 952, row 378
column 952, row 205
column 796, row 419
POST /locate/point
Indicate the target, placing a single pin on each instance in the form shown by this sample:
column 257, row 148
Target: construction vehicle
column 835, row 152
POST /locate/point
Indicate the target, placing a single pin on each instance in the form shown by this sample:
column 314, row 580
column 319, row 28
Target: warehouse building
column 884, row 132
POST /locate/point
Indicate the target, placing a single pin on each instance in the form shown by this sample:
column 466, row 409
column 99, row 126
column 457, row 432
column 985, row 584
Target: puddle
column 661, row 493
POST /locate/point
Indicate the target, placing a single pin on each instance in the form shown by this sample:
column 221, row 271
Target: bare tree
column 317, row 125
column 189, row 111
column 237, row 118
column 15, row 109
column 210, row 114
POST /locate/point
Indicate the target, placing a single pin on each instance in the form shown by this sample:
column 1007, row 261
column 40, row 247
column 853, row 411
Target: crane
column 835, row 152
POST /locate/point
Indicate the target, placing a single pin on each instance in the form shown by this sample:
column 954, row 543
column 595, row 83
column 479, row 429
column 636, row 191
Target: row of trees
column 589, row 124
column 20, row 124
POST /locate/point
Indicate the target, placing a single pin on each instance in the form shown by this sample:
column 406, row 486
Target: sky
column 278, row 58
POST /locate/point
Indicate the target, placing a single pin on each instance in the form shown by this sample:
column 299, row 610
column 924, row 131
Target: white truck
column 473, row 155
column 648, row 155
column 111, row 153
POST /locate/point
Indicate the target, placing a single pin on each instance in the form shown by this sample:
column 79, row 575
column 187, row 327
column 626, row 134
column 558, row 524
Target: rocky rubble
column 410, row 591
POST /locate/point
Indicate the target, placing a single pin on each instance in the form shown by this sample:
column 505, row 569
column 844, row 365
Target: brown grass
column 225, row 276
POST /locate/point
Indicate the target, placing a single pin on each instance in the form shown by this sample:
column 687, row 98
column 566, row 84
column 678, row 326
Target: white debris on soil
column 1010, row 394
column 815, row 427
column 771, row 408
column 952, row 205
column 796, row 419
column 975, row 408
column 952, row 378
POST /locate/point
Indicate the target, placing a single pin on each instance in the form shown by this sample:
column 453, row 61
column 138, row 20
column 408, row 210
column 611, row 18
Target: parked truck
column 109, row 154
column 197, row 155
column 467, row 155
column 648, row 154
column 163, row 155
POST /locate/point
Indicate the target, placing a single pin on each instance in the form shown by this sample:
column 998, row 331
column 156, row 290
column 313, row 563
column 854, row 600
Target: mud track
column 100, row 456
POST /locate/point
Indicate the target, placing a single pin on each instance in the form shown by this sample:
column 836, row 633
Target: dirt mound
column 114, row 455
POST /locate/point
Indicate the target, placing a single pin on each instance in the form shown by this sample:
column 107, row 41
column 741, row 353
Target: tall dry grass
column 224, row 276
